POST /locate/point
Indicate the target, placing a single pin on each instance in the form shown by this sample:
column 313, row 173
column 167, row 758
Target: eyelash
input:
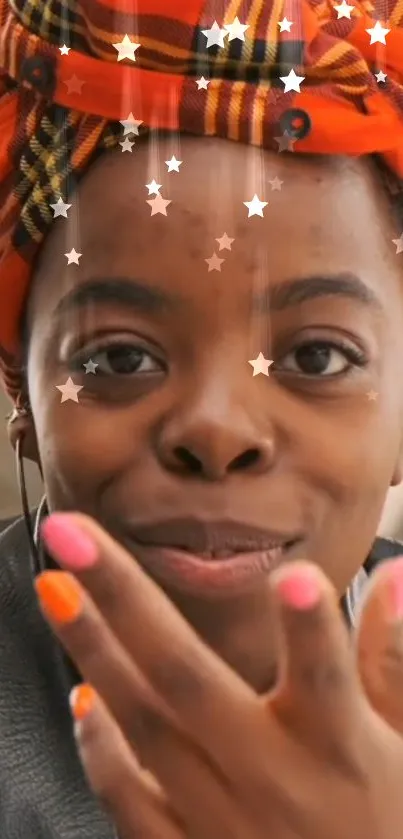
column 354, row 357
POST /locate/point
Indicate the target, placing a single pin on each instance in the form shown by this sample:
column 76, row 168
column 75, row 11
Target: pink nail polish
column 71, row 547
column 300, row 590
column 396, row 584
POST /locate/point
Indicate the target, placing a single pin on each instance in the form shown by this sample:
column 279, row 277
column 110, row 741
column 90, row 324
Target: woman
column 202, row 340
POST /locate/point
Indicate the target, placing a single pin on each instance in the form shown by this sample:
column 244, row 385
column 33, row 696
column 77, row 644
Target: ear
column 25, row 426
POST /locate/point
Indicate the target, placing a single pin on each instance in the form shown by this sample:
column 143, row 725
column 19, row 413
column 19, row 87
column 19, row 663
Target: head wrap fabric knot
column 58, row 111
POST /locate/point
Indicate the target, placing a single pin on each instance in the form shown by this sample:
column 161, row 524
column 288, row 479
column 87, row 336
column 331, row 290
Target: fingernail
column 60, row 596
column 300, row 590
column 82, row 699
column 68, row 543
column 396, row 584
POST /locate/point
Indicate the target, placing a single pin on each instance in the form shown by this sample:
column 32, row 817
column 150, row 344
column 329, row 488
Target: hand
column 311, row 760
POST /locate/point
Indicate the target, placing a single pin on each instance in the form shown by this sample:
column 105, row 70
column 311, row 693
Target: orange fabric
column 51, row 131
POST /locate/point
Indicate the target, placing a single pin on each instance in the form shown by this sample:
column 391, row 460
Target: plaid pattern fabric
column 58, row 112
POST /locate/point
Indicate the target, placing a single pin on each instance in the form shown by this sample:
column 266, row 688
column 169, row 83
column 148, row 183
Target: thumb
column 379, row 643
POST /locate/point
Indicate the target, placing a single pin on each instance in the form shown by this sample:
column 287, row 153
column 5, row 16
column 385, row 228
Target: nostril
column 189, row 460
column 248, row 458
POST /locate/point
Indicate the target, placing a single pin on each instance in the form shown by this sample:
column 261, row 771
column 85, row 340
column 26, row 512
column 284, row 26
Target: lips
column 212, row 539
column 210, row 559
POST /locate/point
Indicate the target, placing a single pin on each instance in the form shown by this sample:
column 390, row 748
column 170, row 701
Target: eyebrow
column 148, row 299
column 294, row 291
column 124, row 291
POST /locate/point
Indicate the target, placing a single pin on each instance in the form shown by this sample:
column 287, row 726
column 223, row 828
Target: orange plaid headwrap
column 61, row 107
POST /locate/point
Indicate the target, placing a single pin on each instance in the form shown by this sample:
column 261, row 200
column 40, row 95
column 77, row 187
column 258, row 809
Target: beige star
column 236, row 30
column 158, row 205
column 73, row 257
column 131, row 125
column 276, row 184
column 69, row 391
column 126, row 49
column 372, row 395
column 260, row 365
column 127, row 145
column 214, row 263
column 60, row 208
column 225, row 242
column 285, row 143
column 74, row 85
column 399, row 244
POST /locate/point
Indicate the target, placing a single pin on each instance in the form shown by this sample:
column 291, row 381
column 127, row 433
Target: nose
column 213, row 439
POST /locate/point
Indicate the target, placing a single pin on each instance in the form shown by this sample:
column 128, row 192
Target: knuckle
column 320, row 677
column 178, row 681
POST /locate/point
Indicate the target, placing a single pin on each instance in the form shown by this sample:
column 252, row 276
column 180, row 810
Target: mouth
column 211, row 559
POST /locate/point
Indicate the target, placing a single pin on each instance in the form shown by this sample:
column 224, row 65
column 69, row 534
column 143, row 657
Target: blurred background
column 391, row 523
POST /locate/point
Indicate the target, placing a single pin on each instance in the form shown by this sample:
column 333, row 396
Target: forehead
column 320, row 215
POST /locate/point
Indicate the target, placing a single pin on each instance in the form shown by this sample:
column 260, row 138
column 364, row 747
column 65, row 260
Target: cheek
column 350, row 454
column 84, row 449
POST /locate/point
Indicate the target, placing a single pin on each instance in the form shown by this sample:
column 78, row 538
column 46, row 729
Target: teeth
column 224, row 553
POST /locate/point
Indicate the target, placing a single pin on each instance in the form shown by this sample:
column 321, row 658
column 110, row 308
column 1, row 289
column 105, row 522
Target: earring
column 19, row 413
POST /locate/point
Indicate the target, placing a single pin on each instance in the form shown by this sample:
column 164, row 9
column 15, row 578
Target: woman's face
column 173, row 425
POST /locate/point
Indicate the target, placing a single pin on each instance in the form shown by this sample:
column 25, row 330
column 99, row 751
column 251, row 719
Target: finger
column 379, row 642
column 129, row 794
column 142, row 718
column 209, row 699
column 319, row 693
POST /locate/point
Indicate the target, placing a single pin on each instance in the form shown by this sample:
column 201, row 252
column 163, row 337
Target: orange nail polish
column 82, row 700
column 60, row 596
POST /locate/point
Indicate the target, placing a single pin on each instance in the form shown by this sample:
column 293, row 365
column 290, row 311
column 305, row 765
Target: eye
column 122, row 359
column 321, row 358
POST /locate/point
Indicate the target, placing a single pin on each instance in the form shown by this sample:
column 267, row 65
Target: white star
column 225, row 242
column 236, row 29
column 285, row 25
column 60, row 208
column 399, row 244
column 90, row 367
column 343, row 10
column 131, row 125
column 202, row 83
column 215, row 36
column 127, row 145
column 126, row 49
column 64, row 50
column 381, row 76
column 378, row 34
column 158, row 205
column 214, row 263
column 260, row 365
column 69, row 390
column 173, row 164
column 73, row 256
column 255, row 206
column 153, row 187
column 292, row 81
